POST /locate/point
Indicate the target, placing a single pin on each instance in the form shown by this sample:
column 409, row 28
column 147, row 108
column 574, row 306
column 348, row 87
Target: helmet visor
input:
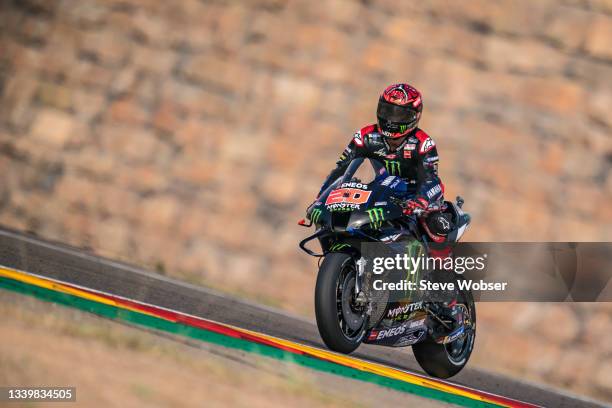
column 396, row 114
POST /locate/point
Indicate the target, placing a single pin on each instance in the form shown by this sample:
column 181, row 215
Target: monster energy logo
column 403, row 128
column 413, row 273
column 315, row 215
column 414, row 249
column 393, row 167
column 377, row 216
column 337, row 247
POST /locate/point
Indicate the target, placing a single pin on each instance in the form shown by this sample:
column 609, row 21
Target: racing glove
column 416, row 203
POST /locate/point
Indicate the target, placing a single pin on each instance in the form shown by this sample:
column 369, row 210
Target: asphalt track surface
column 71, row 265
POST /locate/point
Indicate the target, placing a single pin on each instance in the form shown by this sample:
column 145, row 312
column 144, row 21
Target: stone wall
column 190, row 135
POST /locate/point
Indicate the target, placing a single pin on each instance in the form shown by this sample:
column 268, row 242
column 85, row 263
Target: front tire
column 341, row 324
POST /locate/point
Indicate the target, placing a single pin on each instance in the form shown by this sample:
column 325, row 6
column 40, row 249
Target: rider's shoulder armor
column 363, row 136
column 369, row 138
column 425, row 142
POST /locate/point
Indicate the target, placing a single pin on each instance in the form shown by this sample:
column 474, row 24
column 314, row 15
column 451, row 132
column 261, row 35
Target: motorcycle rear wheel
column 446, row 360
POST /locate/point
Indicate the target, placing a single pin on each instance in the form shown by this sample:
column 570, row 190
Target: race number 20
column 348, row 195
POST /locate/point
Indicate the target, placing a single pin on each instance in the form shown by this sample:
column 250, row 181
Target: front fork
column 360, row 296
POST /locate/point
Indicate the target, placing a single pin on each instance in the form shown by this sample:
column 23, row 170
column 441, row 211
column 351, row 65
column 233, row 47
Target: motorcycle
column 349, row 311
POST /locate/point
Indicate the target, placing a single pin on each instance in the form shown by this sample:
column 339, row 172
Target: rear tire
column 334, row 279
column 436, row 359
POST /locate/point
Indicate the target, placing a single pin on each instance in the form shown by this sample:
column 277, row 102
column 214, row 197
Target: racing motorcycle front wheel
column 446, row 360
column 341, row 321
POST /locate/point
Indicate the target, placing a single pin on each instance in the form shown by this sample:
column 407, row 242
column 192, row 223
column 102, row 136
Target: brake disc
column 353, row 317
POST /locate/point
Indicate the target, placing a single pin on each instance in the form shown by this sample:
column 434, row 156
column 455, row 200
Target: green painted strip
column 116, row 313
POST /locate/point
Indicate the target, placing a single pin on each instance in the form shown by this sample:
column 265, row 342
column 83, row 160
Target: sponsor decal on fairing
column 388, row 180
column 411, row 338
column 400, row 310
column 354, row 184
column 399, row 330
column 348, row 195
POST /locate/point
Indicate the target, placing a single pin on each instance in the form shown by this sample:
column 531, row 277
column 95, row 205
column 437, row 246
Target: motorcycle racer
column 406, row 151
column 406, row 207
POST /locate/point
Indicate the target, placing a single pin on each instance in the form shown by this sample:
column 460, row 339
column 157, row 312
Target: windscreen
column 364, row 171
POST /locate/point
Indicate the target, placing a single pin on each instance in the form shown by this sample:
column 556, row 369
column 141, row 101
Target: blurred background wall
column 188, row 136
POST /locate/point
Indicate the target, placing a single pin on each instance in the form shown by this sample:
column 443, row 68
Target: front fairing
column 352, row 205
